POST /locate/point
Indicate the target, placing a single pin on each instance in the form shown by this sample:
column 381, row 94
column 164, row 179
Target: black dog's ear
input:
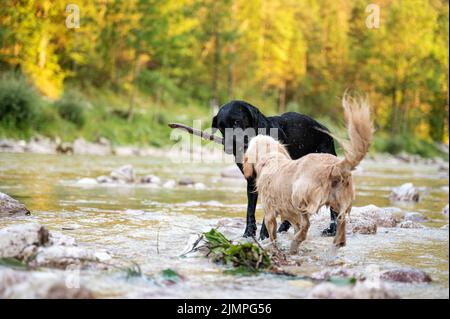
column 214, row 126
column 254, row 114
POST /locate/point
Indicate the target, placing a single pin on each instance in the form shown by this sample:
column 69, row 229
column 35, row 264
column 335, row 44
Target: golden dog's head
column 259, row 149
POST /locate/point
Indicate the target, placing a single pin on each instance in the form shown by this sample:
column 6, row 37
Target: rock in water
column 199, row 186
column 15, row 240
column 382, row 217
column 123, row 174
column 408, row 275
column 362, row 226
column 410, row 224
column 32, row 243
column 415, row 217
column 39, row 285
column 9, row 206
column 87, row 181
column 358, row 291
column 170, row 184
column 185, row 181
column 232, row 172
column 104, row 179
column 150, row 179
column 445, row 210
column 406, row 192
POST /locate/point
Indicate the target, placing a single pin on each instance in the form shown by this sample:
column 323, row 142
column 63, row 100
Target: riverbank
column 106, row 120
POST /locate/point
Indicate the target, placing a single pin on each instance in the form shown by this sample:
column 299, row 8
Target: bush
column 19, row 103
column 385, row 143
column 71, row 108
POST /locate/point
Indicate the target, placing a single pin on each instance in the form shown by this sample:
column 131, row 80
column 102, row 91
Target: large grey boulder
column 368, row 215
column 10, row 206
column 34, row 245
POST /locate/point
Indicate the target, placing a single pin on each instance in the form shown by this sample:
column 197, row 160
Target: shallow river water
column 152, row 226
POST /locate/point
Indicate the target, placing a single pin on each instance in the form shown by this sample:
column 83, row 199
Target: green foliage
column 71, row 108
column 133, row 271
column 384, row 143
column 171, row 275
column 246, row 257
column 19, row 103
column 158, row 58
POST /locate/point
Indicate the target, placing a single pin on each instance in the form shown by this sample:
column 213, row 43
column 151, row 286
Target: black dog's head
column 240, row 119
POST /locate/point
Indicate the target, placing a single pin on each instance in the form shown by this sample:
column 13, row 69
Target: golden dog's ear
column 247, row 167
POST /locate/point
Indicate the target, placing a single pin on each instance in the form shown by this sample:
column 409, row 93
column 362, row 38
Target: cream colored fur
column 295, row 189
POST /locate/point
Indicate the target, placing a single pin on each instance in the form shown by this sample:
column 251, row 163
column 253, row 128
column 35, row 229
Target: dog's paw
column 263, row 234
column 250, row 231
column 340, row 245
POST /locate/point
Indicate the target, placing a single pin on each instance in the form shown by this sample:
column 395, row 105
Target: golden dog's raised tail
column 360, row 130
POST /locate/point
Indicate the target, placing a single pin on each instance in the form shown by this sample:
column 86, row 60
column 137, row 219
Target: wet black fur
column 296, row 131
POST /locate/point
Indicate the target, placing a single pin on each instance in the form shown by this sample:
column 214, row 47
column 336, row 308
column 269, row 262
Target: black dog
column 297, row 131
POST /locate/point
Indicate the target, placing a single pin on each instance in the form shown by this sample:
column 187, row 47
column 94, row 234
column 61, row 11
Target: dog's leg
column 300, row 235
column 270, row 221
column 263, row 234
column 331, row 230
column 339, row 239
column 252, row 199
column 284, row 227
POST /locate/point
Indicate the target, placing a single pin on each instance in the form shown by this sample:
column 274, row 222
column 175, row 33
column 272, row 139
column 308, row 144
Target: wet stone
column 123, row 174
column 361, row 290
column 38, row 285
column 186, row 181
column 150, row 179
column 11, row 207
column 415, row 217
column 406, row 192
column 410, row 225
column 232, row 172
column 445, row 210
column 406, row 275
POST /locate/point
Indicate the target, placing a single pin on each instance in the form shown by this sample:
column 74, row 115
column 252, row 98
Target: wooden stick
column 202, row 134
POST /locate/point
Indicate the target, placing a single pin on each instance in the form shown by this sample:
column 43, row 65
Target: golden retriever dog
column 295, row 189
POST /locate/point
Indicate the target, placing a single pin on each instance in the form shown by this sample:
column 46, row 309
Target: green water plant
column 244, row 257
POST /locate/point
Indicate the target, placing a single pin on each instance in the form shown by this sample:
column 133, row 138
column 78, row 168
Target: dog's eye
column 236, row 122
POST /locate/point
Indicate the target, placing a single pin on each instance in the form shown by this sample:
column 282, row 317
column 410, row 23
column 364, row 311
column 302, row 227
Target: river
column 152, row 226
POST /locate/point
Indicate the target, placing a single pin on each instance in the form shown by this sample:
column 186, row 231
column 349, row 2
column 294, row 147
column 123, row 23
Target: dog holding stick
column 295, row 189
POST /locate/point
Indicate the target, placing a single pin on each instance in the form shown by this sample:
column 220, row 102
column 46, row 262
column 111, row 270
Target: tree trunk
column 215, row 79
column 394, row 112
column 135, row 72
column 282, row 99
